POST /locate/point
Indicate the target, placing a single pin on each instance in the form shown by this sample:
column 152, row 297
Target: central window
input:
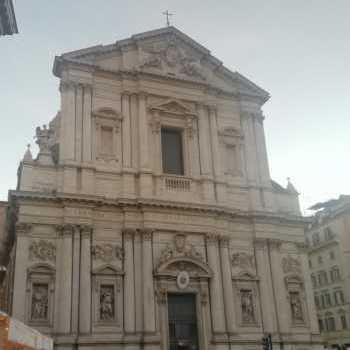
column 172, row 153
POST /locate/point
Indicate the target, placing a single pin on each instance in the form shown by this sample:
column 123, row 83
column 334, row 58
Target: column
column 149, row 324
column 310, row 301
column 129, row 291
column 87, row 118
column 67, row 135
column 143, row 132
column 216, row 297
column 227, row 285
column 265, row 286
column 280, row 293
column 75, row 279
column 126, row 134
column 85, row 281
column 138, row 281
column 204, row 143
column 20, row 273
column 64, row 280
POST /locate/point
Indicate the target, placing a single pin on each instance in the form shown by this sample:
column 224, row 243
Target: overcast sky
column 298, row 50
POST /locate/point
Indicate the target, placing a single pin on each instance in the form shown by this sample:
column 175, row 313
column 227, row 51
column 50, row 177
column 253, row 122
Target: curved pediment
column 195, row 268
column 41, row 268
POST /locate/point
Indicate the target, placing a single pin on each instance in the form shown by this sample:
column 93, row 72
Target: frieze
column 42, row 250
column 291, row 265
column 179, row 248
column 107, row 252
column 243, row 260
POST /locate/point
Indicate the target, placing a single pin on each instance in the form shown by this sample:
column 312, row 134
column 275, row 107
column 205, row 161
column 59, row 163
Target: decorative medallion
column 183, row 280
column 42, row 250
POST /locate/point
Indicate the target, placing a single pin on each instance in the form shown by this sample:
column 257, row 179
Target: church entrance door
column 182, row 315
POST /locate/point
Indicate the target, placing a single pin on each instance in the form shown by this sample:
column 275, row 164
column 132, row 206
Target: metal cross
column 167, row 14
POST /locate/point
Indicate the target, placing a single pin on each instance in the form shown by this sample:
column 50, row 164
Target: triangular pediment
column 172, row 106
column 166, row 52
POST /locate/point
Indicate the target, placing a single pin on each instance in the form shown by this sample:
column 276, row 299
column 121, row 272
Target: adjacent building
column 328, row 240
column 8, row 23
column 148, row 219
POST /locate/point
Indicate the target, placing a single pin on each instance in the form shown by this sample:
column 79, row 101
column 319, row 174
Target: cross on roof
column 167, row 14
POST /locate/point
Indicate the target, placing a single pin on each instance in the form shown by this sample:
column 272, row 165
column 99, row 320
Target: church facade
column 148, row 219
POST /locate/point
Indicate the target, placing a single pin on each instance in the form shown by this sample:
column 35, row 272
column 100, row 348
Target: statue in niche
column 247, row 306
column 40, row 302
column 107, row 303
column 295, row 304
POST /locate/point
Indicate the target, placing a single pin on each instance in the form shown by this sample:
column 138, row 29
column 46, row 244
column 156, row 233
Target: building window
column 320, row 260
column 328, row 234
column 317, row 301
column 310, row 264
column 343, row 322
column 314, row 281
column 330, row 323
column 172, row 153
column 320, row 325
column 331, row 255
column 339, row 297
column 328, row 299
column 316, row 238
column 335, row 274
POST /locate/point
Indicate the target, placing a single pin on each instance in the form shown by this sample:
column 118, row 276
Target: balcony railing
column 177, row 184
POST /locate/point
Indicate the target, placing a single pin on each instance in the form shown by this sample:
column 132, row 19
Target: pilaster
column 227, row 285
column 129, row 281
column 138, row 281
column 87, row 142
column 75, row 279
column 85, row 281
column 149, row 324
column 204, row 144
column 266, row 287
column 68, row 94
column 63, row 296
column 126, row 130
column 20, row 277
column 216, row 297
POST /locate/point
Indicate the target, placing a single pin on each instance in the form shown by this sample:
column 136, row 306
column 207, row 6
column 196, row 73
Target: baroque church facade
column 148, row 219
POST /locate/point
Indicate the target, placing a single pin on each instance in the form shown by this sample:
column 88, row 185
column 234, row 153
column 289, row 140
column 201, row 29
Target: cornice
column 143, row 204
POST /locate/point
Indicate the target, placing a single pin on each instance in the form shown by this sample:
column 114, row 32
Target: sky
column 297, row 50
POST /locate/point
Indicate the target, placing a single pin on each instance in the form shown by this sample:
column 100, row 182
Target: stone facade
column 104, row 237
column 328, row 239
